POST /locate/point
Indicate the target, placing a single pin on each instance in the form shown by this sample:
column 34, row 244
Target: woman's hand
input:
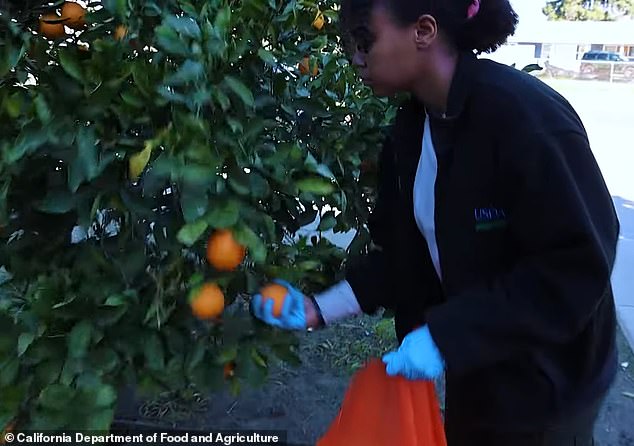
column 298, row 311
column 416, row 358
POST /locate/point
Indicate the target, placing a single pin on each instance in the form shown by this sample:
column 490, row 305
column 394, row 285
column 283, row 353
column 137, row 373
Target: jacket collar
column 460, row 88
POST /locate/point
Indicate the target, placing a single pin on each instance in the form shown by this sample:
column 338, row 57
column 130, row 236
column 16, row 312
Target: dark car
column 606, row 65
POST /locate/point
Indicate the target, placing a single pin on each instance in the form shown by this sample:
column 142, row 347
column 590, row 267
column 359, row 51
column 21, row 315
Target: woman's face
column 385, row 54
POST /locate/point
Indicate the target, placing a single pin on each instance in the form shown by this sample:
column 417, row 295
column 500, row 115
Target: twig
column 228, row 411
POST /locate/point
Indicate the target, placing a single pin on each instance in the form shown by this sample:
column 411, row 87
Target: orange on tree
column 304, row 67
column 277, row 293
column 120, row 32
column 319, row 21
column 207, row 301
column 224, row 253
column 51, row 26
column 229, row 370
column 9, row 428
column 74, row 15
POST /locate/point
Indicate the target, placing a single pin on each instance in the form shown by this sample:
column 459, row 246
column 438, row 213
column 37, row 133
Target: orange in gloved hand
column 277, row 293
column 381, row 410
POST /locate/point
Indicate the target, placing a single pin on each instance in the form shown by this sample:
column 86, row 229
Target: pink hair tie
column 473, row 9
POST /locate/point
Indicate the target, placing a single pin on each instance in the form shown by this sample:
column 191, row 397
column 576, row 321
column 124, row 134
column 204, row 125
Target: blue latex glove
column 416, row 358
column 292, row 317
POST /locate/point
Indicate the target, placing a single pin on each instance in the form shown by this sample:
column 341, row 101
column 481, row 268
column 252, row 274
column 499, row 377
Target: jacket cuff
column 456, row 357
column 338, row 302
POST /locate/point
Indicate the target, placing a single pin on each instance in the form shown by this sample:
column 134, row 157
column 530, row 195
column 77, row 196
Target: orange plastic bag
column 380, row 410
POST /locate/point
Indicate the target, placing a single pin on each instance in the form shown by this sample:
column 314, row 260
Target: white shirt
column 339, row 301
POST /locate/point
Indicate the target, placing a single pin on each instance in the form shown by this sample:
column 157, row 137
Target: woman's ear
column 425, row 31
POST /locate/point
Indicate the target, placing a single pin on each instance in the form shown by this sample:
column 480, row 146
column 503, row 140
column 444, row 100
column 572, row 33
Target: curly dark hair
column 485, row 32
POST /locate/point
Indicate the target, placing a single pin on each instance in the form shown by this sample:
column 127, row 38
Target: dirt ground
column 303, row 401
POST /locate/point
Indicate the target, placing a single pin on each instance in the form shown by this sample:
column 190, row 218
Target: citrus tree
column 133, row 132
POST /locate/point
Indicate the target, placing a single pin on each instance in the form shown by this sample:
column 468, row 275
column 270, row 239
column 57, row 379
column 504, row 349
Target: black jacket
column 527, row 233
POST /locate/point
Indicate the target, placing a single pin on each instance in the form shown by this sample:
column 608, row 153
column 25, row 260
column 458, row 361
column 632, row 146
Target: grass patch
column 346, row 346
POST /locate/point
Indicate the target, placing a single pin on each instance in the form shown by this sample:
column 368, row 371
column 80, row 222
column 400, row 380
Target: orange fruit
column 229, row 370
column 277, row 293
column 74, row 15
column 319, row 21
column 51, row 26
column 208, row 301
column 9, row 428
column 120, row 32
column 224, row 253
column 304, row 65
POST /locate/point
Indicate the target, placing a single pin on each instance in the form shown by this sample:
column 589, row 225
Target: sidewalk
column 623, row 275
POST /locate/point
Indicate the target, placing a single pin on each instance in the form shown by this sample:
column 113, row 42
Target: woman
column 497, row 231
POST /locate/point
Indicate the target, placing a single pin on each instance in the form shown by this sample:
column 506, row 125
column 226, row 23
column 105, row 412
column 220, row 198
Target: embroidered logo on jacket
column 489, row 218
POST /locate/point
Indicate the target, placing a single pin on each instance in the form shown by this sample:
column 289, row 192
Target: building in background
column 562, row 43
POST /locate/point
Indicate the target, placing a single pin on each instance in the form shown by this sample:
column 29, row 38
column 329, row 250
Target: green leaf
column 194, row 204
column 317, row 186
column 12, row 398
column 239, row 181
column 320, row 169
column 196, row 356
column 9, row 370
column 68, row 61
column 532, row 67
column 28, row 142
column 223, row 214
column 248, row 368
column 190, row 71
column 56, row 397
column 259, row 186
column 287, row 354
column 236, row 125
column 42, row 109
column 186, row 26
column 116, row 300
column 170, row 41
column 85, row 166
column 24, row 341
column 223, row 21
column 154, row 355
column 267, row 57
column 79, row 339
column 328, row 221
column 255, row 246
column 57, row 202
column 227, row 354
column 191, row 232
column 106, row 396
column 5, row 276
column 48, row 372
column 243, row 92
column 104, row 360
column 72, row 368
column 100, row 421
column 10, row 57
column 117, row 7
column 222, row 99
